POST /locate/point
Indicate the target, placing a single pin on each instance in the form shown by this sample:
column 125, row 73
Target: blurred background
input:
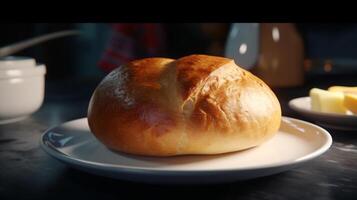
column 270, row 50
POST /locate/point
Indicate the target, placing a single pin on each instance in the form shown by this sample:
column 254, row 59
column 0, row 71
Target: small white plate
column 295, row 143
column 302, row 105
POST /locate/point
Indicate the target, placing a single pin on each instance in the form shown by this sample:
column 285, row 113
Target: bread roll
column 198, row 104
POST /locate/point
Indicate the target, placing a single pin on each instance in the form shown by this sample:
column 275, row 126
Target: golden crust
column 192, row 69
column 197, row 104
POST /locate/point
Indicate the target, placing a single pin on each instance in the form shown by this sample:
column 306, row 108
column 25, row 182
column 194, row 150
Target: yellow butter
column 344, row 89
column 326, row 101
column 350, row 102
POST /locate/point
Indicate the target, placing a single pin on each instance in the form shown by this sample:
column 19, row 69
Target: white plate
column 295, row 143
column 302, row 105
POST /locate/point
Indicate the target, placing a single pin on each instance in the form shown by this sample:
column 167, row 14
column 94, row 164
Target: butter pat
column 350, row 102
column 326, row 101
column 344, row 89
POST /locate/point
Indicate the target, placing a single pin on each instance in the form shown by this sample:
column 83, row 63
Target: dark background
column 78, row 56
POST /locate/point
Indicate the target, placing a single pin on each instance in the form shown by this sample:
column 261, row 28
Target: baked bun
column 197, row 104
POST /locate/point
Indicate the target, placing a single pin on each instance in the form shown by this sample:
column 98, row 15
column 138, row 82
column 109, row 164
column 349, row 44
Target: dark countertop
column 27, row 172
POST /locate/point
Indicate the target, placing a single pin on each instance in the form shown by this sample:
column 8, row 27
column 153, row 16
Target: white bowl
column 22, row 86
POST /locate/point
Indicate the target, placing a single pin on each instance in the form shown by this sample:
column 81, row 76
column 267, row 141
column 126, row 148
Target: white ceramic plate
column 302, row 105
column 295, row 143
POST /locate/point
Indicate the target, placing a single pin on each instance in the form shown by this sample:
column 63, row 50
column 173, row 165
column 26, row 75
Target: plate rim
column 147, row 170
column 316, row 113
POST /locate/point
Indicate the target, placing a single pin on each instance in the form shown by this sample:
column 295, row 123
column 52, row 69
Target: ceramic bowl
column 22, row 87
